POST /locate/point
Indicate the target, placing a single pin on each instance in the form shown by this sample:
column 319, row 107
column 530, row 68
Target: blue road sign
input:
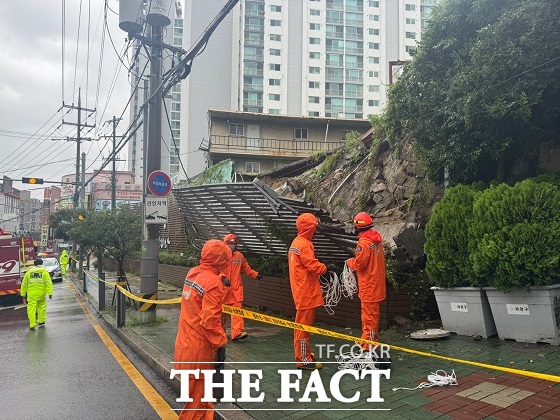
column 159, row 183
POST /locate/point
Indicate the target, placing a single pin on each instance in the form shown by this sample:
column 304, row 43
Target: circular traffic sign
column 159, row 183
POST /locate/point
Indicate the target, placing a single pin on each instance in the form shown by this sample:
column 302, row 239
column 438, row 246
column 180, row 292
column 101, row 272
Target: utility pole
column 115, row 121
column 82, row 205
column 150, row 248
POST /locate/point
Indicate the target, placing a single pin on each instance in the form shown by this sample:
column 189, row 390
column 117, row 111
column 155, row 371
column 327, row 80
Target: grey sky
column 31, row 84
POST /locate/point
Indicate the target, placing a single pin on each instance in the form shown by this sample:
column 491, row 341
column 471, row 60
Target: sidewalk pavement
column 481, row 393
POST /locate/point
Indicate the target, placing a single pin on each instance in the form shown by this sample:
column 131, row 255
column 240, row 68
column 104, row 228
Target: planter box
column 465, row 311
column 527, row 315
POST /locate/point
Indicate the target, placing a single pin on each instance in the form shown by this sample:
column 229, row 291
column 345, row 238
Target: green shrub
column 518, row 235
column 447, row 239
column 178, row 259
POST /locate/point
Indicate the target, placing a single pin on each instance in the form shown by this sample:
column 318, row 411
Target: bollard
column 101, row 292
column 121, row 308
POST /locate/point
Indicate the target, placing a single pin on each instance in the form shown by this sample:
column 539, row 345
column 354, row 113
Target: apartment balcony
column 252, row 72
column 254, row 42
column 269, row 147
column 358, row 51
column 358, row 37
column 334, row 34
column 254, row 13
column 334, row 78
column 334, row 92
column 334, row 6
column 358, row 9
column 354, row 79
column 253, row 57
column 330, row 48
column 338, row 21
column 252, row 87
column 334, row 63
column 359, row 94
column 350, row 108
column 258, row 28
column 333, row 108
column 354, row 22
column 252, row 102
column 354, row 65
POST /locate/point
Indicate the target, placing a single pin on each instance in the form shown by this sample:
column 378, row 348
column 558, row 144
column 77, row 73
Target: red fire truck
column 16, row 254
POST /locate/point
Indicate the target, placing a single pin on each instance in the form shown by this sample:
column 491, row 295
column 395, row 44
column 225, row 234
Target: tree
column 482, row 91
column 61, row 221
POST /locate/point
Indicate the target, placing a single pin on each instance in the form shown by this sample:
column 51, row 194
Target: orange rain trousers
column 302, row 346
column 370, row 323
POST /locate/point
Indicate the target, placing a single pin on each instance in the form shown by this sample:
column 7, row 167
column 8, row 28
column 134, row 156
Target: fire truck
column 16, row 255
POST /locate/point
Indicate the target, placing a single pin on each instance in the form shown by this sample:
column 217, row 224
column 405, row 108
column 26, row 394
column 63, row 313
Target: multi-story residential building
column 259, row 143
column 9, row 206
column 30, row 212
column 317, row 58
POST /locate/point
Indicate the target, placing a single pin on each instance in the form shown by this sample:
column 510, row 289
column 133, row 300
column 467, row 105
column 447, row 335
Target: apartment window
column 314, row 100
column 275, row 8
column 373, row 102
column 314, row 12
column 410, row 49
column 315, row 55
column 373, row 88
column 410, row 21
column 315, row 26
column 275, row 51
column 373, row 31
column 313, row 113
column 373, row 45
column 373, row 3
column 372, row 73
column 274, row 67
column 314, row 70
column 314, row 85
column 273, row 82
column 274, row 111
column 300, row 133
column 410, row 7
column 275, row 37
column 373, row 60
column 274, row 96
column 314, row 41
column 236, row 129
column 275, row 22
column 410, row 35
column 374, row 18
column 175, row 106
column 252, row 167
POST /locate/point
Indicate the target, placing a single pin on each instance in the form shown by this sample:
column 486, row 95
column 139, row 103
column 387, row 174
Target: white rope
column 357, row 361
column 436, row 379
column 332, row 291
column 349, row 284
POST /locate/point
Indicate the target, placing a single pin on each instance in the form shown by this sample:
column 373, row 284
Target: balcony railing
column 350, row 65
column 354, row 79
column 254, row 27
column 359, row 9
column 354, row 51
column 358, row 37
column 335, row 108
column 334, row 34
column 358, row 94
column 334, row 63
column 331, row 48
column 249, row 86
column 351, row 108
column 252, row 102
column 262, row 146
column 334, row 6
column 354, row 22
column 340, row 21
column 253, row 57
column 253, row 72
column 256, row 42
column 333, row 92
column 334, row 78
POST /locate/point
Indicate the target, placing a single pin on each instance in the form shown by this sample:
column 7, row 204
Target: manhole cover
column 431, row 334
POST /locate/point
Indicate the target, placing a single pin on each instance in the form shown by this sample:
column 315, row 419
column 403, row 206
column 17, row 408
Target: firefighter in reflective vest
column 201, row 334
column 369, row 265
column 63, row 261
column 235, row 295
column 305, row 270
column 36, row 285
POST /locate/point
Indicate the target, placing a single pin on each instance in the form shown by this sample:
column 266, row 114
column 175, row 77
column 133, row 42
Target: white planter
column 527, row 315
column 465, row 311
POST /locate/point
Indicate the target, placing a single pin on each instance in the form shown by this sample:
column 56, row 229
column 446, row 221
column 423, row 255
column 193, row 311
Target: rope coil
column 357, row 361
column 436, row 379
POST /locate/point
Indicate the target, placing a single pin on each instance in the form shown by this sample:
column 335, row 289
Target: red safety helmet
column 231, row 238
column 363, row 221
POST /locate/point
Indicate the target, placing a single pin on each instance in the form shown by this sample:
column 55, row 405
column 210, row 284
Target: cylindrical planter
column 465, row 311
column 529, row 315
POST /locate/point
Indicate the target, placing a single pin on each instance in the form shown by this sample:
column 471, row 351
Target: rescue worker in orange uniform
column 369, row 265
column 201, row 333
column 305, row 270
column 235, row 295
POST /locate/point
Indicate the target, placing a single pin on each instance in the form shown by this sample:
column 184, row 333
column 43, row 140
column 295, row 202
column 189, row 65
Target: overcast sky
column 31, row 84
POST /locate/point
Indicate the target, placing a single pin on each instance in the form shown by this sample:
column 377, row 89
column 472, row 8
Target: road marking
column 152, row 396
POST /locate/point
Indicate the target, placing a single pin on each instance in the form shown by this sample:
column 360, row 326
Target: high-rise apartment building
column 326, row 58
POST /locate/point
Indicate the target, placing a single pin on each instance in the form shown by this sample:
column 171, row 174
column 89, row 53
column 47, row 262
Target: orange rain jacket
column 238, row 265
column 369, row 265
column 305, row 269
column 200, row 331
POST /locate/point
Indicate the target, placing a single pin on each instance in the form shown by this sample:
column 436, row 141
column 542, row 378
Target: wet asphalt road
column 64, row 370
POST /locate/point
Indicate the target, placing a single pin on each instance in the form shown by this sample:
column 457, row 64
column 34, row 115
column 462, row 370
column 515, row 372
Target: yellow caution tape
column 295, row 326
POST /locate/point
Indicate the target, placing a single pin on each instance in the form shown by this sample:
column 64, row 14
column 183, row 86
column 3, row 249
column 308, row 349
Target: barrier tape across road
column 267, row 319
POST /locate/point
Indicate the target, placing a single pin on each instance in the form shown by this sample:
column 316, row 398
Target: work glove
column 259, row 276
column 24, row 301
column 226, row 282
column 50, row 296
column 331, row 267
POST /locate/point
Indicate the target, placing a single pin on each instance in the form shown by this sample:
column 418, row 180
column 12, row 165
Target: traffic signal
column 81, row 217
column 32, row 180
